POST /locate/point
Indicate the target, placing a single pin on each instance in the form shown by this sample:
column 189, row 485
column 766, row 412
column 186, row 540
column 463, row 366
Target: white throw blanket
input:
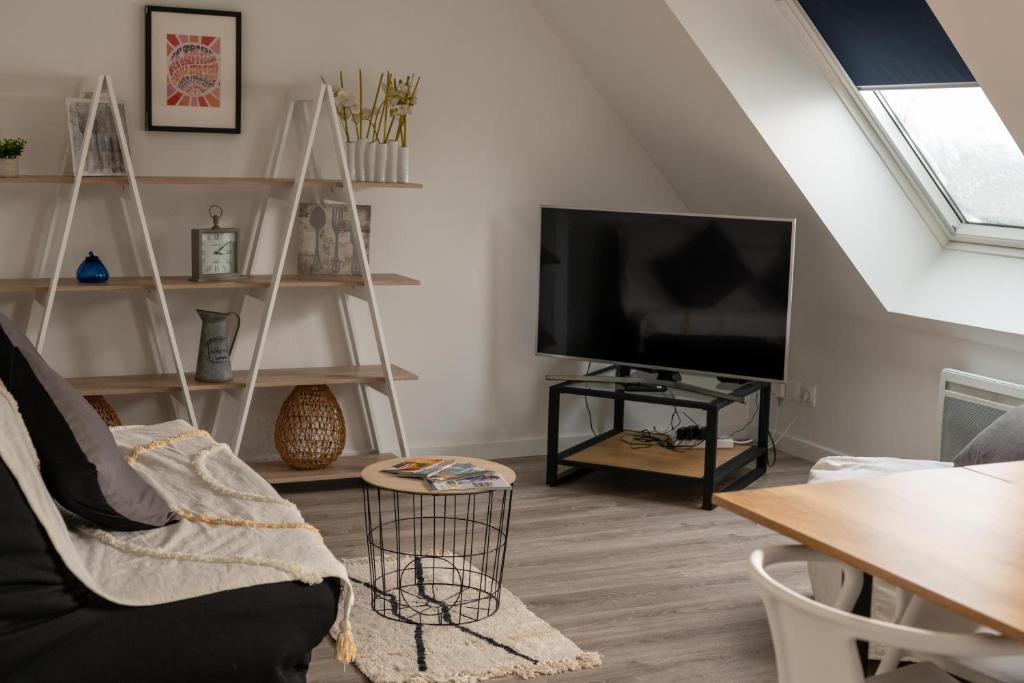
column 837, row 467
column 236, row 531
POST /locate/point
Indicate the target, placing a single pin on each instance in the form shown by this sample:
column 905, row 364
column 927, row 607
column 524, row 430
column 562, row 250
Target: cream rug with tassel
column 512, row 642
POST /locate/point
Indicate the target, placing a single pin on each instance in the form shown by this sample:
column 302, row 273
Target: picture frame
column 193, row 62
column 324, row 237
column 105, row 157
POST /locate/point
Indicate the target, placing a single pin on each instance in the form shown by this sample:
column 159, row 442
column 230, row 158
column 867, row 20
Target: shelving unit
column 380, row 376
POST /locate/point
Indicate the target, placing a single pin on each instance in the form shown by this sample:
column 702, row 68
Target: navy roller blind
column 888, row 43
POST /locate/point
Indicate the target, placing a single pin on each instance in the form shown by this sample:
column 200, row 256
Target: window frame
column 903, row 159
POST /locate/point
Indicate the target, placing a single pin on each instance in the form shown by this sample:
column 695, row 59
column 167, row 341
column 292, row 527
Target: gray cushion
column 80, row 463
column 1001, row 441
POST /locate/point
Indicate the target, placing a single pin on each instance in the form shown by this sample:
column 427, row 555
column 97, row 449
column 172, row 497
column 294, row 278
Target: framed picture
column 193, row 70
column 324, row 235
column 105, row 157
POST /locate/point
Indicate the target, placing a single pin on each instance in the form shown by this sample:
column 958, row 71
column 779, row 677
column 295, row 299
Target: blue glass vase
column 92, row 271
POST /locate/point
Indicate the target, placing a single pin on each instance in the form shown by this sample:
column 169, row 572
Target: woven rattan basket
column 105, row 410
column 310, row 429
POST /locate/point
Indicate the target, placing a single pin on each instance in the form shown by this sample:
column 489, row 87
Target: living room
column 311, row 237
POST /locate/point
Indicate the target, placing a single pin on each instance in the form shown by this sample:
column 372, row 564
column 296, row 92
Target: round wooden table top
column 375, row 476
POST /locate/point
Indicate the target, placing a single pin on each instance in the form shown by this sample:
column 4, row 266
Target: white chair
column 912, row 610
column 815, row 642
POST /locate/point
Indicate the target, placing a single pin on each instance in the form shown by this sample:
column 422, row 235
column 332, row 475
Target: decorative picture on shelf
column 104, row 156
column 193, row 70
column 324, row 235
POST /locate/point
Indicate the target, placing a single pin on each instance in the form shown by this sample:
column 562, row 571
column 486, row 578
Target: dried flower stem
column 359, row 123
column 344, row 110
column 382, row 113
column 372, row 122
column 403, row 125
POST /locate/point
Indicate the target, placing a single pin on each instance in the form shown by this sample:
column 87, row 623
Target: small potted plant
column 10, row 150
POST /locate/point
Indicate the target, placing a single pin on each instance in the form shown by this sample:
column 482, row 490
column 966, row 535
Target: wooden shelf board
column 204, row 180
column 182, row 282
column 345, row 467
column 614, row 452
column 128, row 385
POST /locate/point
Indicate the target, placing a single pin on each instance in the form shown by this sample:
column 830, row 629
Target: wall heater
column 968, row 403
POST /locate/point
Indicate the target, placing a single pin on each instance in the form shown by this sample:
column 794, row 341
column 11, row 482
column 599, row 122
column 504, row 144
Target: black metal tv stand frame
column 607, row 451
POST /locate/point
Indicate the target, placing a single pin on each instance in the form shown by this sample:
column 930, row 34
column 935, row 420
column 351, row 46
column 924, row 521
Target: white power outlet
column 798, row 392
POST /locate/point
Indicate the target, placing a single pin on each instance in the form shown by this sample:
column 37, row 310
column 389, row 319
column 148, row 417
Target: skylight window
column 924, row 105
column 964, row 148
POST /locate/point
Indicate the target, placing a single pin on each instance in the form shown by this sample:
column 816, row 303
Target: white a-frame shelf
column 180, row 384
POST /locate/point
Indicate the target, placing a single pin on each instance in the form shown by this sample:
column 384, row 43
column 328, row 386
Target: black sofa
column 52, row 628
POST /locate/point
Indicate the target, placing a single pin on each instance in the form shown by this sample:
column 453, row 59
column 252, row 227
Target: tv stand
column 716, row 468
column 663, row 381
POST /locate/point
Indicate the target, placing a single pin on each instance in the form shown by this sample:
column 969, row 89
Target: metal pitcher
column 215, row 346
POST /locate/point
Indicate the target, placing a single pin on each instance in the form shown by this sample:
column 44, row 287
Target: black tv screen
column 707, row 294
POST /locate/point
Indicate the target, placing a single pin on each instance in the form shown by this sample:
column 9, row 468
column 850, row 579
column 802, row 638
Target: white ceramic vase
column 8, row 168
column 403, row 164
column 351, row 150
column 391, row 176
column 381, row 162
column 370, row 162
column 360, row 160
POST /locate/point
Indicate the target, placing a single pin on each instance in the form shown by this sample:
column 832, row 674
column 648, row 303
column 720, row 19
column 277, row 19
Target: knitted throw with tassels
column 230, row 518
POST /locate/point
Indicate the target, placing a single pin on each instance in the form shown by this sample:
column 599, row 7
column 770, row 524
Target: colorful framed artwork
column 193, row 70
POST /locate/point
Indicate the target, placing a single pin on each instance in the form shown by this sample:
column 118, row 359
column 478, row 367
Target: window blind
column 888, row 43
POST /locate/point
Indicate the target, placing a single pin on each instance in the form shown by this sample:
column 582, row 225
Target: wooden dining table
column 954, row 536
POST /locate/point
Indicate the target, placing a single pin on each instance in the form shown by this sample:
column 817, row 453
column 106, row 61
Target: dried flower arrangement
column 387, row 114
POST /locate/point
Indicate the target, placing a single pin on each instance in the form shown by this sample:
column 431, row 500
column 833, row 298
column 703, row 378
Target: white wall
column 877, row 373
column 506, row 121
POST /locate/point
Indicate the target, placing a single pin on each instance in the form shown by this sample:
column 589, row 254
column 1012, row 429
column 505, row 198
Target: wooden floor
column 623, row 564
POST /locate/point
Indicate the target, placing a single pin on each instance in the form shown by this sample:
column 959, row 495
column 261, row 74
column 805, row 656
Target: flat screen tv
column 678, row 292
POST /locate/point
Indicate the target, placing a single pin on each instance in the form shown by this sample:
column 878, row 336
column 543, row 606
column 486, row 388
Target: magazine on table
column 483, row 481
column 458, row 470
column 419, row 467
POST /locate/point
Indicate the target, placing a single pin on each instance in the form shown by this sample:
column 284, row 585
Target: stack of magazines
column 448, row 475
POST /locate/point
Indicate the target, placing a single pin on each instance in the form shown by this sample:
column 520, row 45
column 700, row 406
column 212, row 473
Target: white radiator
column 969, row 403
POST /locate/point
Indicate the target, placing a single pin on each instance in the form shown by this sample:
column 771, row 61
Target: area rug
column 512, row 642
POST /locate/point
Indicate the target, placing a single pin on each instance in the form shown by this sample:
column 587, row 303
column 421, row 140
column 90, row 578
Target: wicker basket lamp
column 310, row 429
column 105, row 410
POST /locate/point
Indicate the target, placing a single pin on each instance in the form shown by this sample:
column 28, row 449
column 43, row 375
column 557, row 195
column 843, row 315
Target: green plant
column 11, row 148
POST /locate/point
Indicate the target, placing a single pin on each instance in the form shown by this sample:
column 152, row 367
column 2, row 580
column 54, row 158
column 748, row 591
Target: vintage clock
column 214, row 250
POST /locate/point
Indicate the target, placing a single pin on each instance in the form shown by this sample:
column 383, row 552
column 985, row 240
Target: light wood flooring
column 626, row 565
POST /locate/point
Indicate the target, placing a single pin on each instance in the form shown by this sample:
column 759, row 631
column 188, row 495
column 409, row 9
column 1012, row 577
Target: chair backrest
column 815, row 642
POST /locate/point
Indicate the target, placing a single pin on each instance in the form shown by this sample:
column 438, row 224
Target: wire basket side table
column 435, row 557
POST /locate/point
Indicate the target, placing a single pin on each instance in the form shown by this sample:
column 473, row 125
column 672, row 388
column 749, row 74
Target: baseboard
column 806, row 450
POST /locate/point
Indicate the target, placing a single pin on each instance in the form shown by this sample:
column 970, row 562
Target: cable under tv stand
column 718, row 469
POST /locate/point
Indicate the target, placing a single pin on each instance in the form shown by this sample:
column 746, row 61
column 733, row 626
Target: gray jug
column 214, row 363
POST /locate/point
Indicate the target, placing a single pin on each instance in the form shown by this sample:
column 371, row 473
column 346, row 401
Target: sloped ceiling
column 647, row 67
column 730, row 104
column 987, row 33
